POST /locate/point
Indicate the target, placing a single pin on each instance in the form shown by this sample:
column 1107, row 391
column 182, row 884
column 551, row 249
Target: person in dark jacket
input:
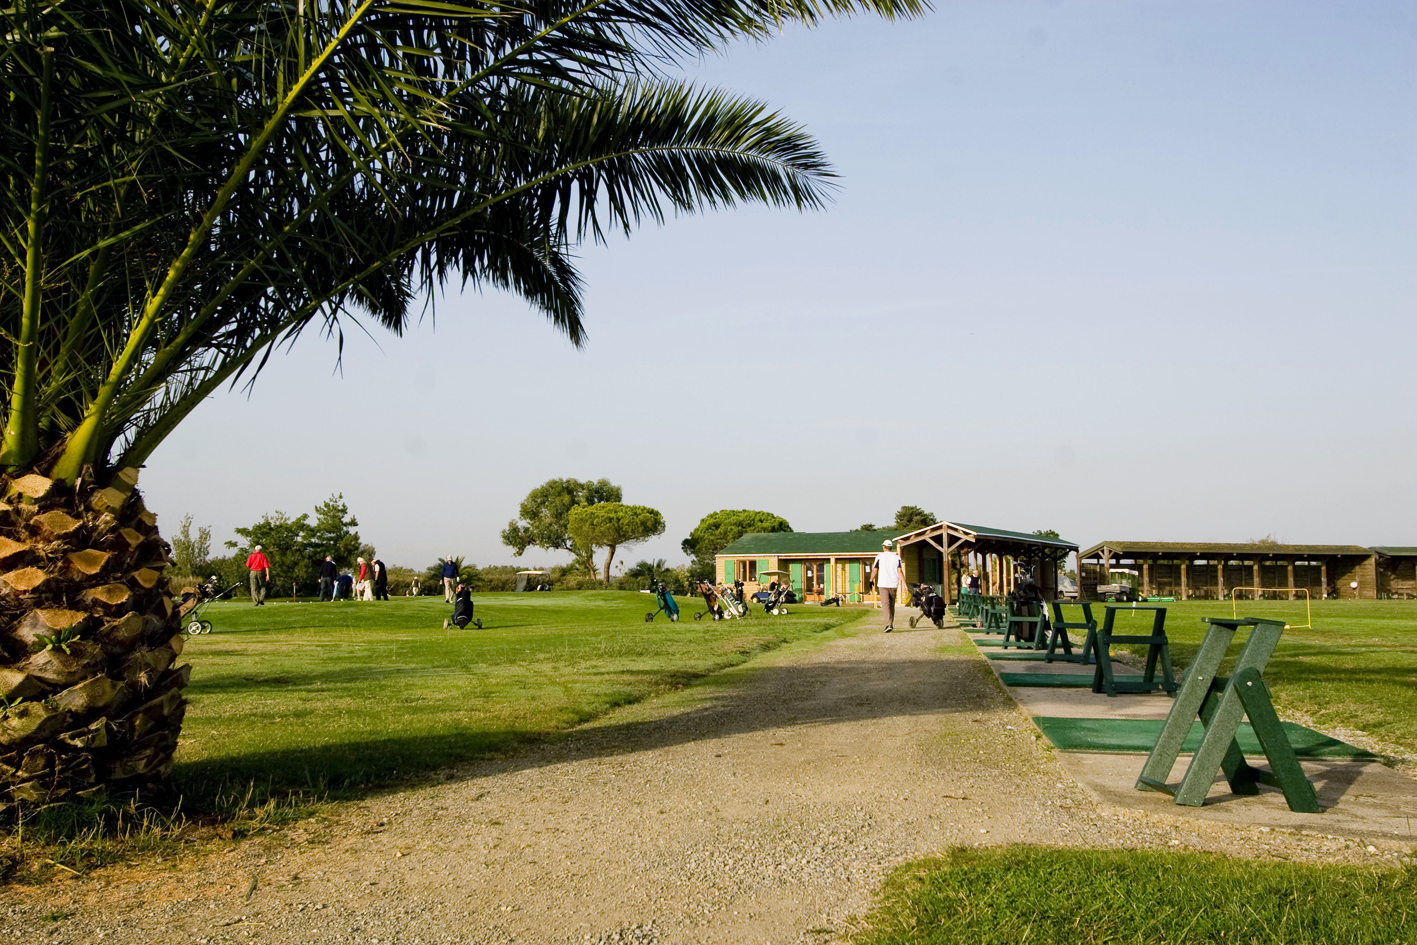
column 450, row 577
column 381, row 580
column 328, row 573
column 462, row 609
column 344, row 587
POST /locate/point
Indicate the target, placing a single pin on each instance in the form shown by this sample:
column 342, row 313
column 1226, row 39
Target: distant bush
column 400, row 579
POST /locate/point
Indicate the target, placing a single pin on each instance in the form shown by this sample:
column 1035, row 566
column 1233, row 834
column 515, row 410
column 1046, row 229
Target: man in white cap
column 260, row 567
column 888, row 574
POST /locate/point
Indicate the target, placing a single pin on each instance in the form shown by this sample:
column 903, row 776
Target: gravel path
column 763, row 806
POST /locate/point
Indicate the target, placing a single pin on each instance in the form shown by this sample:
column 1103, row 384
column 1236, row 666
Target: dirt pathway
column 764, row 806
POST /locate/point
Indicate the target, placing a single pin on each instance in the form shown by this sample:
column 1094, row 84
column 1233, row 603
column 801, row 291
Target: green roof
column 811, row 543
column 790, row 544
column 985, row 531
column 1394, row 551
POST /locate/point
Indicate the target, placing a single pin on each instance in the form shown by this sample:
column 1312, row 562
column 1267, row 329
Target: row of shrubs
column 488, row 579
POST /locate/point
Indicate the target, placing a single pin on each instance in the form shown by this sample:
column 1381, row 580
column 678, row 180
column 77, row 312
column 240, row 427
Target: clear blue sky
column 1129, row 270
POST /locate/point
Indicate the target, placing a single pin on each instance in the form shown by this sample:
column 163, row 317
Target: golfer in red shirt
column 260, row 574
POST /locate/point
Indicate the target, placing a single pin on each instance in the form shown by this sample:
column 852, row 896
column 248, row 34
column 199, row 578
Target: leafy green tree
column 868, row 527
column 912, row 517
column 187, row 185
column 286, row 542
column 190, row 553
column 1048, row 533
column 546, row 517
column 718, row 530
column 333, row 532
column 612, row 525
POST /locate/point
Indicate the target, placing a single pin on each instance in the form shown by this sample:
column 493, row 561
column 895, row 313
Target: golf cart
column 1123, row 589
column 531, row 581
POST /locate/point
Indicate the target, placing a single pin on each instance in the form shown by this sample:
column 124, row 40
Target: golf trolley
column 931, row 604
column 667, row 604
column 194, row 602
column 722, row 603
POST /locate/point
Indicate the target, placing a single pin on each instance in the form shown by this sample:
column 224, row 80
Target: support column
column 1258, row 582
column 945, row 574
column 1183, row 595
column 1323, row 578
column 1220, row 579
column 1291, row 577
column 1146, row 578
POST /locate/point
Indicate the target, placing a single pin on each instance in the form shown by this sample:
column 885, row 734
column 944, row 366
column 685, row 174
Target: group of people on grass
column 371, row 583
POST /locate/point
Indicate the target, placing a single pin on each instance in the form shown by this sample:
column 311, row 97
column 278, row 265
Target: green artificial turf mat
column 1018, row 655
column 1057, row 680
column 1140, row 735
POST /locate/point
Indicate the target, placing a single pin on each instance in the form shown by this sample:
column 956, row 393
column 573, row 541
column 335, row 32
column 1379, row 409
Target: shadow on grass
column 770, row 697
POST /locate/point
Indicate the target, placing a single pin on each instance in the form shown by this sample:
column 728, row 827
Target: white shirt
column 887, row 565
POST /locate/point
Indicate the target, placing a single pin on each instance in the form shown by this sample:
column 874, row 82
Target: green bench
column 1017, row 626
column 1221, row 703
column 1058, row 634
column 1158, row 650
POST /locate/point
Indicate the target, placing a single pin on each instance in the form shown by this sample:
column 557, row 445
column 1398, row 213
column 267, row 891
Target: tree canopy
column 333, row 532
column 718, row 530
column 190, row 553
column 913, row 517
column 613, row 525
column 546, row 513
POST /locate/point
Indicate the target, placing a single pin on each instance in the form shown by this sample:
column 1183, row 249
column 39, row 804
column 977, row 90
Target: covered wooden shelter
column 943, row 553
column 1212, row 570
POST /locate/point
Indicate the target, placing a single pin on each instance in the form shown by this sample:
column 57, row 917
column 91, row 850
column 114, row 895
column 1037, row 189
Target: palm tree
column 189, row 185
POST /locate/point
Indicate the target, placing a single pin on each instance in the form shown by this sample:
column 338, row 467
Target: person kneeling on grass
column 462, row 609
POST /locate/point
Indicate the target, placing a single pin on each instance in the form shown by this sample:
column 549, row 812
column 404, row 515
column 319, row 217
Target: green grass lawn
column 1047, row 896
column 341, row 697
column 1356, row 668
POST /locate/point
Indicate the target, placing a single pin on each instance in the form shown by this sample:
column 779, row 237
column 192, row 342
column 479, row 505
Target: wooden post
column 1258, row 582
column 1184, row 565
column 1323, row 578
column 1220, row 579
column 945, row 572
column 1145, row 577
column 1291, row 578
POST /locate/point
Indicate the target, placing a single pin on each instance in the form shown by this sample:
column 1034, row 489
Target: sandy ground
column 765, row 806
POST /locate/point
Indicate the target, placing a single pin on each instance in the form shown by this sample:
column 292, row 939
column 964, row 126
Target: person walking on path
column 450, row 578
column 328, row 573
column 888, row 574
column 260, row 568
column 381, row 580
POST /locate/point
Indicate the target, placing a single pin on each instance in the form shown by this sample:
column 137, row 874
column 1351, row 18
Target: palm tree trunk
column 89, row 636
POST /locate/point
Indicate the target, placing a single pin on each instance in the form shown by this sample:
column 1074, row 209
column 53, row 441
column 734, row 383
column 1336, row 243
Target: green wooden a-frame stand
column 1221, row 703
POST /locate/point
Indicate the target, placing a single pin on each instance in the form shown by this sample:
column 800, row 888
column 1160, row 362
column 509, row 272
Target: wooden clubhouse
column 821, row 565
column 1212, row 571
